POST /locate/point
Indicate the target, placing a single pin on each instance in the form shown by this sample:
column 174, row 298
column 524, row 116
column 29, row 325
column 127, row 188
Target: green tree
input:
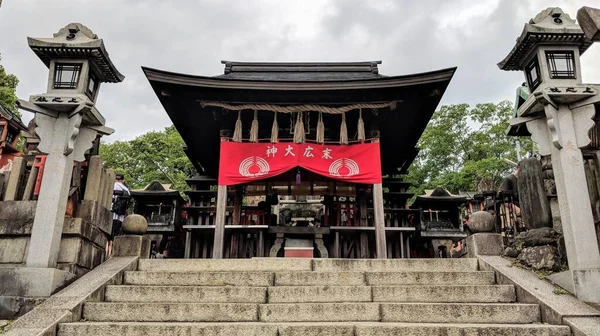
column 153, row 156
column 8, row 87
column 463, row 145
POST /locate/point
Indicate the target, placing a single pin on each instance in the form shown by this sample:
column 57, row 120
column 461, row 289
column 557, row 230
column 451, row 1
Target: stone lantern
column 66, row 123
column 558, row 114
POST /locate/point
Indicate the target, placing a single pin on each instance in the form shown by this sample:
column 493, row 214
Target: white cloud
column 192, row 36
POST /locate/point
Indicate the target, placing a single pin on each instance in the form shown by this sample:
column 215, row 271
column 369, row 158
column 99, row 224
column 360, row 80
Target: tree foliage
column 8, row 87
column 463, row 145
column 153, row 156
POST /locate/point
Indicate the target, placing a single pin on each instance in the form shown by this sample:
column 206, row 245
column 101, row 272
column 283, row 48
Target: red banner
column 247, row 162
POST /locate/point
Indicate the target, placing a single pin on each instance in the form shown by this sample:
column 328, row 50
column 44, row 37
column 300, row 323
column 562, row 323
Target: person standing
column 509, row 190
column 509, row 184
column 120, row 205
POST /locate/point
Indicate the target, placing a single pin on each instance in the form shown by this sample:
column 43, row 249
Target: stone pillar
column 479, row 244
column 133, row 243
column 52, row 201
column 534, row 204
column 380, row 241
column 562, row 133
column 12, row 188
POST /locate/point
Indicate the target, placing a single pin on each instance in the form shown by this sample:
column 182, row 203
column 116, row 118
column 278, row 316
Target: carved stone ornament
column 72, row 133
column 545, row 132
column 73, row 28
column 553, row 122
column 540, row 135
column 63, row 135
column 44, row 130
column 548, row 19
column 583, row 123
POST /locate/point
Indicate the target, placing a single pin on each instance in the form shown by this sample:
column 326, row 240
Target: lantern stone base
column 33, row 282
column 484, row 244
column 584, row 284
column 131, row 246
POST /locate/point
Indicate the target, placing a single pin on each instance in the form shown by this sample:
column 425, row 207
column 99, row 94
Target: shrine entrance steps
column 303, row 297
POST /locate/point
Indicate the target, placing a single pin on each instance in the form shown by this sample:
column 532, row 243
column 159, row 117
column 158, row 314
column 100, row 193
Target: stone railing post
column 12, row 188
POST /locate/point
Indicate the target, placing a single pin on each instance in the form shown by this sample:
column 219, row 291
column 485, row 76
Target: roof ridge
column 362, row 66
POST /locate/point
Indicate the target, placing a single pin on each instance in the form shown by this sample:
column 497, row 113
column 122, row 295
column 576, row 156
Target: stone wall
column 85, row 231
column 83, row 240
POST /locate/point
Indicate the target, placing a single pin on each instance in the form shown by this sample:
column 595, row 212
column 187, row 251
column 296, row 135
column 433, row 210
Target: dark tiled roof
column 12, row 117
column 315, row 72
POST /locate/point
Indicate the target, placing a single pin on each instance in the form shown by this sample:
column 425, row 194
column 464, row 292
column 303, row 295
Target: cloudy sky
column 192, row 36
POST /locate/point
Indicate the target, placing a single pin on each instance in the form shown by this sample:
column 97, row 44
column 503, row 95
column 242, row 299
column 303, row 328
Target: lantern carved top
column 550, row 27
column 77, row 41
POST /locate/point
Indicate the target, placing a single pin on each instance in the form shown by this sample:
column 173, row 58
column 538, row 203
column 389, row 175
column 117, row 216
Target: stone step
column 430, row 278
column 394, row 265
column 170, row 312
column 308, row 329
column 422, row 329
column 319, row 312
column 498, row 313
column 161, row 329
column 191, row 294
column 200, row 265
column 292, row 294
column 241, row 278
column 448, row 294
column 305, row 278
column 320, row 279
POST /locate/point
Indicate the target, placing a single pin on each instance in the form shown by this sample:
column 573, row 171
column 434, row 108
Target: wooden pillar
column 402, row 249
column 260, row 248
column 379, row 221
column 336, row 245
column 220, row 222
column 364, row 238
column 237, row 206
column 188, row 244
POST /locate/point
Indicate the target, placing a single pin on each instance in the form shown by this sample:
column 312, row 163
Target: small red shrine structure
column 322, row 146
column 10, row 129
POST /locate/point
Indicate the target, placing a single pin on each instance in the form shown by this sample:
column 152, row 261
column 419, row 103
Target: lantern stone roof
column 550, row 27
column 12, row 118
column 301, row 71
column 77, row 41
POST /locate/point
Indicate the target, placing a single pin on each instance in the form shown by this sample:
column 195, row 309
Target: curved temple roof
column 330, row 84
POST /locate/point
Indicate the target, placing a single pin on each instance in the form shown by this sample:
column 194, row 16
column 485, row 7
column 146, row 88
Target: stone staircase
column 310, row 297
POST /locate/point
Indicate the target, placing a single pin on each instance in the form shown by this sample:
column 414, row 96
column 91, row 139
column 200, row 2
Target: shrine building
column 300, row 159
